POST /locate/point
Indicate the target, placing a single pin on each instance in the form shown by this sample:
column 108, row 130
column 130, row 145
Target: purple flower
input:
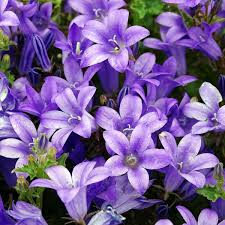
column 185, row 161
column 26, row 214
column 185, row 3
column 75, row 44
column 7, row 18
column 72, row 189
column 202, row 40
column 72, row 118
column 129, row 116
column 172, row 30
column 112, row 39
column 206, row 217
column 134, row 156
column 4, row 218
column 210, row 115
column 94, row 9
column 20, row 148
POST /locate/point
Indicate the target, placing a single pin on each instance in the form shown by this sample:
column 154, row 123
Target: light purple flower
column 72, row 188
column 210, row 115
column 72, row 118
column 26, row 214
column 129, row 116
column 94, row 9
column 184, row 3
column 206, row 217
column 112, row 39
column 186, row 163
column 134, row 156
column 7, row 18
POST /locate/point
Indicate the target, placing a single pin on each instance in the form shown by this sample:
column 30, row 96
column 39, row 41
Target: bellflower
column 112, row 39
column 94, row 9
column 172, row 30
column 72, row 118
column 7, row 18
column 134, row 156
column 26, row 214
column 72, row 189
column 185, row 3
column 210, row 116
column 185, row 160
column 75, row 78
column 38, row 103
column 20, row 148
column 206, row 217
column 202, row 40
column 129, row 116
column 75, row 44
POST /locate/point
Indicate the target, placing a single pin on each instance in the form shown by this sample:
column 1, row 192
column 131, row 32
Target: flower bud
column 221, row 85
column 34, row 76
column 43, row 142
column 218, row 172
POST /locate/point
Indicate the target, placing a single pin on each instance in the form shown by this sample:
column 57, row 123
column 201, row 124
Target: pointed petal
column 145, row 63
column 119, row 61
column 221, row 115
column 67, row 195
column 43, row 183
column 55, row 119
column 83, row 128
column 128, row 110
column 134, row 34
column 202, row 127
column 116, row 141
column 195, row 178
column 85, row 95
column 94, row 55
column 204, row 161
column 60, row 137
column 197, row 111
column 98, row 174
column 9, row 18
column 60, row 175
column 139, row 179
column 107, row 118
column 210, row 95
column 154, row 159
column 24, row 128
column 13, row 148
column 187, row 215
column 116, row 165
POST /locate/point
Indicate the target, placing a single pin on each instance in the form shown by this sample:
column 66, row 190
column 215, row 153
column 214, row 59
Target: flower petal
column 207, row 217
column 164, row 222
column 107, row 118
column 116, row 141
column 43, row 183
column 85, row 95
column 116, row 165
column 187, row 215
column 128, row 110
column 139, row 179
column 221, row 115
column 134, row 34
column 210, row 95
column 9, row 18
column 24, row 128
column 194, row 177
column 154, row 159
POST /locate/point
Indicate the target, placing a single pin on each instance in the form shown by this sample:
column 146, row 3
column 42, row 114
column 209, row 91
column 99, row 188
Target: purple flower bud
column 123, row 92
column 218, row 172
column 111, row 103
column 41, row 52
column 221, row 85
column 43, row 142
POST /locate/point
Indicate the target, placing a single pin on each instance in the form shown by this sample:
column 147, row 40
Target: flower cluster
column 88, row 110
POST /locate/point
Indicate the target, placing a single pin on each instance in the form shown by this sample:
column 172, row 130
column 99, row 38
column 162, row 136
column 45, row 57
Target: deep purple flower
column 72, row 189
column 129, row 116
column 112, row 39
column 206, row 217
column 134, row 156
column 186, row 163
column 94, row 9
column 210, row 115
column 4, row 218
column 26, row 214
column 72, row 118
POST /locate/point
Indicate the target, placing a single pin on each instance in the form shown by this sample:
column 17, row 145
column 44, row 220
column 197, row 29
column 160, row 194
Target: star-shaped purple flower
column 134, row 156
column 113, row 40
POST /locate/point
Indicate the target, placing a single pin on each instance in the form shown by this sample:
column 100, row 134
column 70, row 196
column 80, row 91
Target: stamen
column 78, row 50
column 131, row 161
column 72, row 118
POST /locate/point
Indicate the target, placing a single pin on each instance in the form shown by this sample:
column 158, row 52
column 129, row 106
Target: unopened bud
column 43, row 142
column 103, row 100
column 218, row 171
column 221, row 85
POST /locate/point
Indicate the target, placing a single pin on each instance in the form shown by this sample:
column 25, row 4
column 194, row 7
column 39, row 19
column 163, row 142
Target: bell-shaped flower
column 210, row 116
column 73, row 116
column 134, row 156
column 186, row 163
column 113, row 40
